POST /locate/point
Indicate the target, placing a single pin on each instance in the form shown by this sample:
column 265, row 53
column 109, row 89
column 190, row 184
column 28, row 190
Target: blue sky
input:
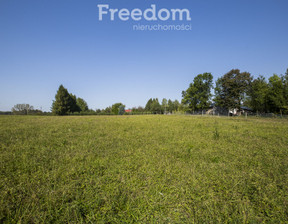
column 50, row 42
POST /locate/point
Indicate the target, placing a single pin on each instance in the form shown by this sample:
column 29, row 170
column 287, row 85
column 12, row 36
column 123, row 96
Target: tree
column 74, row 107
column 275, row 96
column 176, row 105
column 155, row 107
column 116, row 107
column 108, row 110
column 171, row 106
column 285, row 84
column 164, row 105
column 67, row 103
column 22, row 109
column 148, row 105
column 231, row 89
column 121, row 110
column 138, row 110
column 258, row 92
column 198, row 95
column 64, row 102
column 82, row 105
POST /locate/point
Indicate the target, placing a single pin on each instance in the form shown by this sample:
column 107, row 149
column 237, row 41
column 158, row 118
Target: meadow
column 143, row 169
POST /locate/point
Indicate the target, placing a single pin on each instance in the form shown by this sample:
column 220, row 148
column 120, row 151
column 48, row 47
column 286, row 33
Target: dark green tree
column 66, row 103
column 285, row 84
column 275, row 96
column 155, row 107
column 232, row 88
column 138, row 110
column 258, row 92
column 73, row 104
column 148, row 105
column 108, row 110
column 171, row 106
column 176, row 105
column 198, row 95
column 82, row 105
column 63, row 103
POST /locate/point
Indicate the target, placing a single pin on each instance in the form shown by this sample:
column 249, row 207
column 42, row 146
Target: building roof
column 246, row 108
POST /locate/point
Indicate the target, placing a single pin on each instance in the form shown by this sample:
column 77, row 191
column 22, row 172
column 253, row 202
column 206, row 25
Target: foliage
column 285, row 83
column 62, row 103
column 167, row 106
column 22, row 109
column 82, row 104
column 66, row 103
column 176, row 105
column 74, row 107
column 258, row 95
column 269, row 97
column 153, row 106
column 232, row 88
column 108, row 110
column 5, row 113
column 198, row 95
column 138, row 110
column 121, row 110
column 116, row 108
column 156, row 107
column 143, row 169
column 171, row 106
column 148, row 105
column 275, row 96
column 164, row 105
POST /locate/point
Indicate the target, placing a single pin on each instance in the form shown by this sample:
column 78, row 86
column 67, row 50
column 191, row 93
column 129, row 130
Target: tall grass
column 143, row 169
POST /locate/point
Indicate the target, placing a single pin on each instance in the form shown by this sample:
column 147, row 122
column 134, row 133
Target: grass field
column 143, row 169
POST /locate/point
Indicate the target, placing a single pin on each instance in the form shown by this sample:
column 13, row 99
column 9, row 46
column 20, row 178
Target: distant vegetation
column 66, row 103
column 236, row 89
column 233, row 90
column 25, row 109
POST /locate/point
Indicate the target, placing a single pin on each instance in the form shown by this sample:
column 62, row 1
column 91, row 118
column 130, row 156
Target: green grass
column 143, row 169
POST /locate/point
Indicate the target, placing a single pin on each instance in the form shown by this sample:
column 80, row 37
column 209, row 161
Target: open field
column 143, row 169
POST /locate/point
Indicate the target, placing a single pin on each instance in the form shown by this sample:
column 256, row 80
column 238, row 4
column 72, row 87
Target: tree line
column 236, row 89
column 24, row 109
column 66, row 103
column 233, row 90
